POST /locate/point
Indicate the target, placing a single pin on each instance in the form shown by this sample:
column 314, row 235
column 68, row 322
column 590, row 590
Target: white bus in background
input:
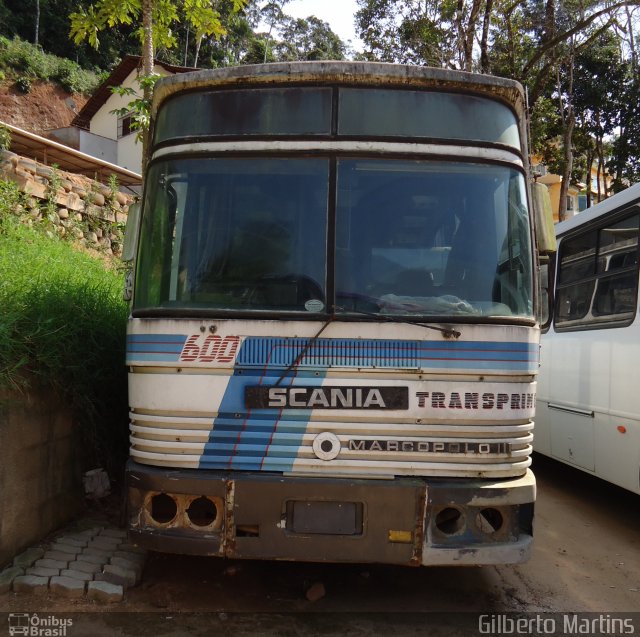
column 588, row 412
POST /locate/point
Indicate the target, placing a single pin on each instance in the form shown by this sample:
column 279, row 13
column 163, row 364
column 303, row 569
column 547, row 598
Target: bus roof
column 619, row 200
column 348, row 73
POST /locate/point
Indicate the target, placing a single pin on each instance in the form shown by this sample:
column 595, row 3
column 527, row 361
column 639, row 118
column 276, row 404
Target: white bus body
column 588, row 412
column 333, row 347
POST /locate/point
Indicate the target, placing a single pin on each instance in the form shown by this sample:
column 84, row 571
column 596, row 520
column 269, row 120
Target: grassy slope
column 62, row 325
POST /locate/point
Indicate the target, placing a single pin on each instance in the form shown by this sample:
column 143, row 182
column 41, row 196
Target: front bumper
column 413, row 521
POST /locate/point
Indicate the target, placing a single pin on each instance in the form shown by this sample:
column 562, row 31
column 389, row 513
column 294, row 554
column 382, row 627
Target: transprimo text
column 475, row 400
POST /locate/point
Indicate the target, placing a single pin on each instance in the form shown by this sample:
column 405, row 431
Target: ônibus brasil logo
column 34, row 625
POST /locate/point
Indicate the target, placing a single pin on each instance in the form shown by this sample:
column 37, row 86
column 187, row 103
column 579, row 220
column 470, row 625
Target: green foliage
column 87, row 23
column 63, row 326
column 5, row 138
column 23, row 84
column 27, row 63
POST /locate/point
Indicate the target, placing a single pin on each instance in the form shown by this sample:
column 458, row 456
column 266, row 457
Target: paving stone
column 47, row 563
column 30, row 584
column 28, row 557
column 42, row 571
column 128, row 565
column 65, row 548
column 112, row 578
column 58, row 555
column 90, row 533
column 136, row 558
column 7, row 576
column 130, row 576
column 96, row 552
column 85, row 567
column 126, row 546
column 105, row 592
column 72, row 541
column 118, row 534
column 104, row 543
column 93, row 559
column 79, row 575
column 67, row 586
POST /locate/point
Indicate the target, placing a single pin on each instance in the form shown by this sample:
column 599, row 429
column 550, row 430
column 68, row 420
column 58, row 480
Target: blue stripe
column 154, row 347
column 254, row 441
column 278, row 353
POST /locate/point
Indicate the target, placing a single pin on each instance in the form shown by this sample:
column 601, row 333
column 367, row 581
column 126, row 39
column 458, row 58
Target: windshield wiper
column 447, row 332
column 305, row 349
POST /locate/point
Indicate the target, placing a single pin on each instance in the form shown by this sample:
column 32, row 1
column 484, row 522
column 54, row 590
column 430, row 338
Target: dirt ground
column 586, row 559
column 44, row 107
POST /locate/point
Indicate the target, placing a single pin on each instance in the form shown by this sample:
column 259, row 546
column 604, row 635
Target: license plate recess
column 324, row 518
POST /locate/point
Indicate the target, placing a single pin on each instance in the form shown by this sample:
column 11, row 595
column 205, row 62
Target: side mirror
column 543, row 218
column 131, row 232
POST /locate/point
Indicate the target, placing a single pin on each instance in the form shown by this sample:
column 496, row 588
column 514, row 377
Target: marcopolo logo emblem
column 32, row 624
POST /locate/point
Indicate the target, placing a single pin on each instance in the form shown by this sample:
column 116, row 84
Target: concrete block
column 72, row 541
column 7, row 576
column 90, row 532
column 93, row 559
column 85, row 567
column 136, row 558
column 28, row 557
column 128, row 575
column 65, row 548
column 112, row 578
column 105, row 592
column 28, row 185
column 127, row 565
column 72, row 201
column 119, row 534
column 48, row 563
column 67, row 586
column 31, row 584
column 90, row 550
column 58, row 555
column 104, row 543
column 79, row 575
column 42, row 571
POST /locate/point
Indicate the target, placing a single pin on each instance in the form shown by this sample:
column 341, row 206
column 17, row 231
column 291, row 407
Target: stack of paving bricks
column 78, row 199
column 96, row 563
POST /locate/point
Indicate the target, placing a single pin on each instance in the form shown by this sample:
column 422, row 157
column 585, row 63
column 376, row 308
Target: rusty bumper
column 410, row 521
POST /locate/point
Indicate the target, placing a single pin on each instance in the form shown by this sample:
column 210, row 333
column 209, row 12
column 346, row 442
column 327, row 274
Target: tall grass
column 62, row 326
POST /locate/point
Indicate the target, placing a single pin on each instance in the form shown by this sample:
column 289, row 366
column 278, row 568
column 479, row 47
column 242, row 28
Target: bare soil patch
column 46, row 106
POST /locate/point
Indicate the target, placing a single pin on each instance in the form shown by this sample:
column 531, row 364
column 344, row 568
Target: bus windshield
column 326, row 235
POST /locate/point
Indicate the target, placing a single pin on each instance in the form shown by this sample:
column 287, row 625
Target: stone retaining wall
column 76, row 206
column 40, row 472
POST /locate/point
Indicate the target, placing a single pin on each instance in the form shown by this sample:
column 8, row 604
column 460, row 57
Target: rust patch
column 419, row 527
column 228, row 544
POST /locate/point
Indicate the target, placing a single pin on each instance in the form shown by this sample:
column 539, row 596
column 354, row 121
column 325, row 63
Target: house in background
column 576, row 200
column 97, row 131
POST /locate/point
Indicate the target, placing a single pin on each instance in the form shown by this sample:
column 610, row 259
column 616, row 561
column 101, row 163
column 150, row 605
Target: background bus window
column 598, row 276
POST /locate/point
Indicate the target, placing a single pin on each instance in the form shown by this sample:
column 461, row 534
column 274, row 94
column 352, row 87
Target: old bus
column 588, row 400
column 333, row 343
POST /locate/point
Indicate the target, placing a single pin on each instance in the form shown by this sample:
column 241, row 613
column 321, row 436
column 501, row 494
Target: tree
column 308, row 39
column 155, row 18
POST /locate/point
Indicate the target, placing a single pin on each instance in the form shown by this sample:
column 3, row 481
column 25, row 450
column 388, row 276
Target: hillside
column 44, row 107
